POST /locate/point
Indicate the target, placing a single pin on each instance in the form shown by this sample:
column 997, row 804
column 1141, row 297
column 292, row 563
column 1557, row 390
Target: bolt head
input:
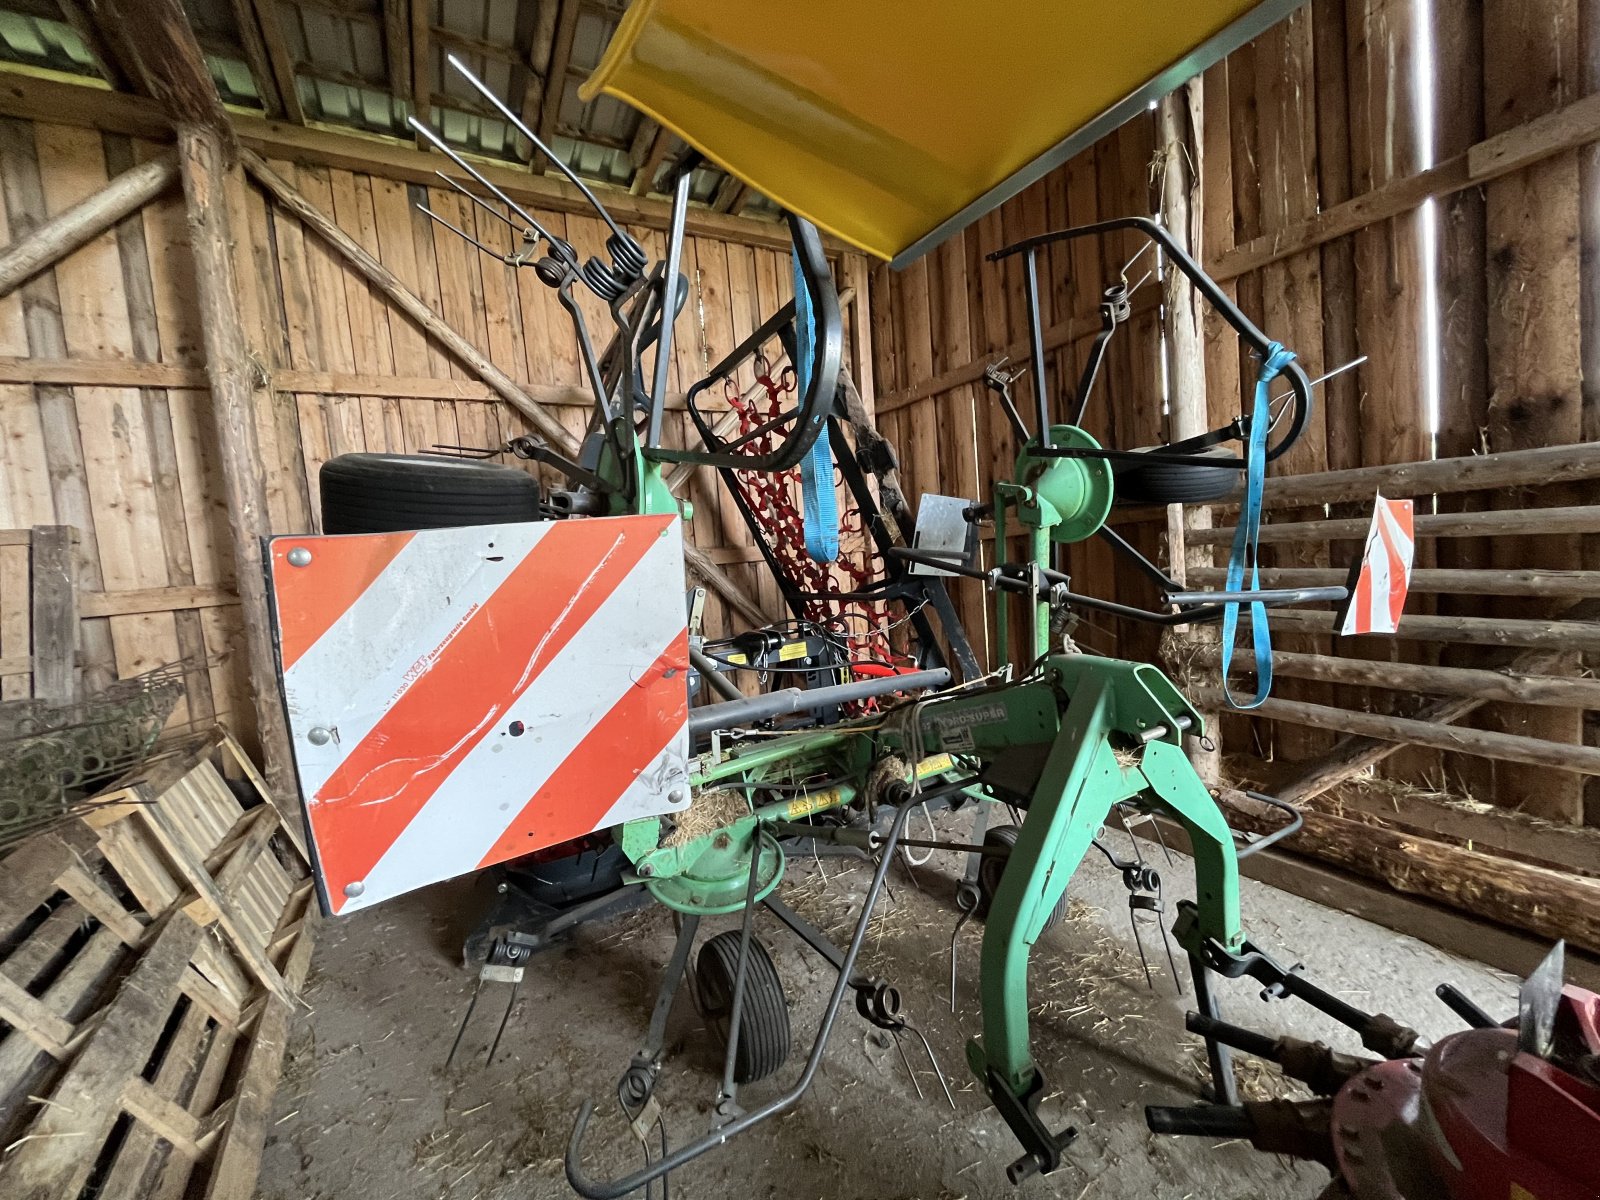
column 354, row 889
column 645, row 870
column 318, row 736
column 677, row 796
column 299, row 557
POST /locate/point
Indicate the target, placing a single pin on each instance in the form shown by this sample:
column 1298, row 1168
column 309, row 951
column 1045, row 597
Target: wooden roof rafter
column 275, row 49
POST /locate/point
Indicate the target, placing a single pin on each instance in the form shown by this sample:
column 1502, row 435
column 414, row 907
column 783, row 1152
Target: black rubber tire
column 385, row 493
column 764, row 1034
column 1175, row 483
column 991, row 869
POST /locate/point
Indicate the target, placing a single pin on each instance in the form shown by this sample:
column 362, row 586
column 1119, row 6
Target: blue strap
column 1245, row 536
column 819, row 504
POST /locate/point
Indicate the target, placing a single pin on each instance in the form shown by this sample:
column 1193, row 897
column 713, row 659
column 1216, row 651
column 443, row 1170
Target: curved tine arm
column 440, row 144
column 1247, row 330
column 517, row 124
column 612, row 1189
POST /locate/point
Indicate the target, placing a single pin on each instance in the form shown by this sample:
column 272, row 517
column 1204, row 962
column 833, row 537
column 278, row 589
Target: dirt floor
column 367, row 1109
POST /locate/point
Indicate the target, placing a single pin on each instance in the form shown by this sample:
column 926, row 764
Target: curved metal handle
column 812, row 412
column 1299, row 382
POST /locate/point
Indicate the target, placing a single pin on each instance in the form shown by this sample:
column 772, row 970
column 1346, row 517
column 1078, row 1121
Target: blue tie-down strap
column 818, row 502
column 1246, row 535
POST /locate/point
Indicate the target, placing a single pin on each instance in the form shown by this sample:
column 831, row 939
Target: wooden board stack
column 151, row 957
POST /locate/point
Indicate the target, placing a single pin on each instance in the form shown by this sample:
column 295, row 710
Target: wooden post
column 55, row 614
column 1535, row 369
column 1182, row 210
column 203, row 158
column 60, row 236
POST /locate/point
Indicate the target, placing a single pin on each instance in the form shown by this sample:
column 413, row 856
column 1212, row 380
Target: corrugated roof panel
column 44, row 43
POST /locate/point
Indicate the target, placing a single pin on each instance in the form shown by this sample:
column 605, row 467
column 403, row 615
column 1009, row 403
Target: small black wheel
column 991, row 869
column 385, row 493
column 1175, row 483
column 764, row 1016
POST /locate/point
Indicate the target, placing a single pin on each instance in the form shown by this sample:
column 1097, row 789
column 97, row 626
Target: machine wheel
column 764, row 1017
column 383, row 493
column 991, row 869
column 1175, row 483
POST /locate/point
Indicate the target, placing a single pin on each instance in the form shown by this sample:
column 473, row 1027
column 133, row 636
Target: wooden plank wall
column 954, row 309
column 1322, row 110
column 104, row 414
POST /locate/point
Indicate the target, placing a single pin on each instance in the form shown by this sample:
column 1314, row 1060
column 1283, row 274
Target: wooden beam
column 540, row 44
column 1485, row 827
column 385, row 280
column 1504, row 747
column 203, row 158
column 257, row 58
column 555, row 75
column 397, row 48
column 106, row 59
column 1530, row 581
column 1462, row 933
column 422, row 65
column 502, row 384
column 82, row 223
column 731, row 194
column 1354, row 754
column 1493, row 522
column 152, row 600
column 1512, row 685
column 280, row 62
column 55, row 614
column 1575, row 125
column 167, row 60
column 648, row 165
column 89, row 372
column 1471, row 631
column 1552, row 904
column 1468, row 473
column 37, row 98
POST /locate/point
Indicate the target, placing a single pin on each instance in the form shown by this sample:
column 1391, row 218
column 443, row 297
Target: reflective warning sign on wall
column 1378, row 593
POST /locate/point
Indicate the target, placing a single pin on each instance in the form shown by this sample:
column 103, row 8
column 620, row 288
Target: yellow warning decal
column 813, row 802
column 791, row 652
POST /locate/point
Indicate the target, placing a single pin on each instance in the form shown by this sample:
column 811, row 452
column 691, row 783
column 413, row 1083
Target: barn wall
column 1315, row 178
column 104, row 414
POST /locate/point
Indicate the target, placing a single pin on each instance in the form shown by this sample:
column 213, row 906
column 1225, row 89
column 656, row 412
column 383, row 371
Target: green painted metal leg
column 1080, row 783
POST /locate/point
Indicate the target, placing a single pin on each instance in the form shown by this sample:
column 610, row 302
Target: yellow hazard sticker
column 937, row 765
column 813, row 802
column 791, row 652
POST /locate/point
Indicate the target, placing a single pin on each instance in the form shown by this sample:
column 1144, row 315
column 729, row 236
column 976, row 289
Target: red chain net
column 775, row 499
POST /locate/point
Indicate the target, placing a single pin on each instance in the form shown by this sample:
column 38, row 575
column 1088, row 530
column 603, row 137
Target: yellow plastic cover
column 892, row 124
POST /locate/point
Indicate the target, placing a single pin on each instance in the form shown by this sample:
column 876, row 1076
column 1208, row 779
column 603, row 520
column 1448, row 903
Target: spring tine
column 1160, row 838
column 504, row 1021
column 907, row 1061
column 1171, row 962
column 481, row 202
column 425, row 210
column 1138, row 941
column 499, row 195
column 954, row 934
column 461, row 1032
column 517, row 124
column 937, row 1070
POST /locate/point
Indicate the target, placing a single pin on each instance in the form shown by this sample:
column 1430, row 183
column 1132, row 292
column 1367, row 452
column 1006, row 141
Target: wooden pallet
column 151, row 956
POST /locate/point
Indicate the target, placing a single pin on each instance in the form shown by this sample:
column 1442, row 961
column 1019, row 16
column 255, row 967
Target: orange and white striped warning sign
column 1378, row 593
column 459, row 697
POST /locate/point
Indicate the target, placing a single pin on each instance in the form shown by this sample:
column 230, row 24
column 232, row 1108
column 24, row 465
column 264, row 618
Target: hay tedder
column 511, row 684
